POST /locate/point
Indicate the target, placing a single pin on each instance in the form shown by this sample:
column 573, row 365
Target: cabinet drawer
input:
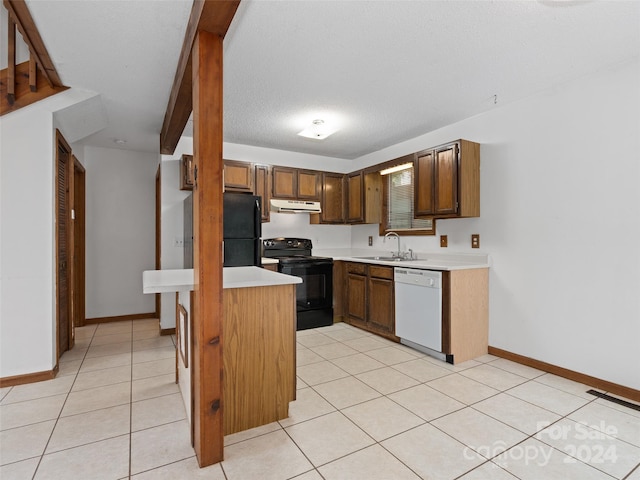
column 381, row 272
column 358, row 268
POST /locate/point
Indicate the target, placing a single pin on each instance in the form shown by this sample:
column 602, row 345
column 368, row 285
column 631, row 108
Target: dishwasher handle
column 421, row 278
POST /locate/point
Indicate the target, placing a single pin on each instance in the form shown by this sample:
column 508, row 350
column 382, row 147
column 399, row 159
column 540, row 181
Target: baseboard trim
column 29, row 378
column 615, row 388
column 167, row 331
column 120, row 318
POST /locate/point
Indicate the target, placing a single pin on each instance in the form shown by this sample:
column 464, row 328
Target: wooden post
column 207, row 238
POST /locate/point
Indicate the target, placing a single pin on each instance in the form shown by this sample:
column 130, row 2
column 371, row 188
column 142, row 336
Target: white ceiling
column 383, row 71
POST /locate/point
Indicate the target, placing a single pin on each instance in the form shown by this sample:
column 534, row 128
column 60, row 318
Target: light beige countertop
column 425, row 260
column 166, row 281
column 267, row 261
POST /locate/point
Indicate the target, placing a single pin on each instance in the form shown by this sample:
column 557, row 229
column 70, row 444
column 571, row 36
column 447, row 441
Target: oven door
column 316, row 289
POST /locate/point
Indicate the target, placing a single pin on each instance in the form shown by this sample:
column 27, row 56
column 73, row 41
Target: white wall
column 120, row 230
column 27, row 226
column 560, row 216
column 270, row 156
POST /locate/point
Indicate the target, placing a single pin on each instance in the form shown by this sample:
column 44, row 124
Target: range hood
column 295, row 206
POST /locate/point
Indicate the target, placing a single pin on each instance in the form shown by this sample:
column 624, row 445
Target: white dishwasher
column 419, row 309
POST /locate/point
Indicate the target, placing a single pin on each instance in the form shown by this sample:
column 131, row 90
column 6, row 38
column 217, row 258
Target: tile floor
column 366, row 409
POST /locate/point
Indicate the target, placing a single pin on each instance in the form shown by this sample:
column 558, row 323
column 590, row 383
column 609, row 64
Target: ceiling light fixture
column 119, row 141
column 395, row 169
column 318, row 130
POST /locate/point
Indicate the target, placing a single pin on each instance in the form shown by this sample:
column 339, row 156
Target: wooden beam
column 27, row 27
column 212, row 16
column 207, row 240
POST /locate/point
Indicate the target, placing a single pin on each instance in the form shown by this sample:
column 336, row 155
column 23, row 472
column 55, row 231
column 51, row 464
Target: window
column 398, row 206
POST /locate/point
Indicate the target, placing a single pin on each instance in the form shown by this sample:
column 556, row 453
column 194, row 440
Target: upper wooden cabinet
column 447, row 181
column 284, row 182
column 332, row 199
column 355, row 205
column 296, row 184
column 238, row 176
column 309, row 185
column 364, row 197
column 187, row 180
column 262, row 188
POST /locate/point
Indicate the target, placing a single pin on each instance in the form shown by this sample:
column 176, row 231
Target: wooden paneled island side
column 259, row 355
column 259, row 342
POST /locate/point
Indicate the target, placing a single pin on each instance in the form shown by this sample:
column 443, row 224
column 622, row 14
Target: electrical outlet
column 475, row 240
column 443, row 241
column 178, row 242
column 370, row 240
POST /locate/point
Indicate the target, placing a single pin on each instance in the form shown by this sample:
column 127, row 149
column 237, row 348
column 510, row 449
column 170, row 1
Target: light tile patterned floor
column 367, row 409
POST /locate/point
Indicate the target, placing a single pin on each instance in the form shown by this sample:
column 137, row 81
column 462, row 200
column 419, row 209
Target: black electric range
column 314, row 296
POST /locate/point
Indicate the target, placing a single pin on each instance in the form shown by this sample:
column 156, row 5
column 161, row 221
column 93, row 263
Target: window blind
column 400, row 203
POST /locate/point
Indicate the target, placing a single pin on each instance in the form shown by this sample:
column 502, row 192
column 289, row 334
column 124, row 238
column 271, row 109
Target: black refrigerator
column 242, row 225
column 242, row 229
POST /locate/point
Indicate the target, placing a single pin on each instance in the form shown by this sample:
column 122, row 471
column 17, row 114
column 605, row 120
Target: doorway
column 64, row 241
column 70, row 245
column 78, row 225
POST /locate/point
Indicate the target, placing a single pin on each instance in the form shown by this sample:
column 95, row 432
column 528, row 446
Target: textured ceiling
column 382, row 71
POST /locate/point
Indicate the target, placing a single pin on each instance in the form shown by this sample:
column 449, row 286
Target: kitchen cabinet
column 447, row 181
column 364, row 203
column 238, row 176
column 273, row 267
column 332, row 199
column 309, row 185
column 262, row 188
column 380, row 302
column 187, row 180
column 370, row 298
column 365, row 297
column 355, row 204
column 295, row 184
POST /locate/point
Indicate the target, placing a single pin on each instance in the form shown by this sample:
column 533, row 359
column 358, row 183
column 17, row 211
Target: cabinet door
column 380, row 299
column 238, row 176
column 285, row 182
column 333, row 194
column 373, row 190
column 446, row 180
column 186, row 173
column 309, row 184
column 263, row 189
column 423, row 190
column 355, row 204
column 356, row 294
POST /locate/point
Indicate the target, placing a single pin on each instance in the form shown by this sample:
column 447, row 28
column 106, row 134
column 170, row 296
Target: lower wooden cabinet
column 270, row 266
column 381, row 305
column 364, row 296
column 369, row 298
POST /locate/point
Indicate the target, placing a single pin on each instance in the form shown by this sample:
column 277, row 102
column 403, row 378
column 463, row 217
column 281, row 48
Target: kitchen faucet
column 398, row 254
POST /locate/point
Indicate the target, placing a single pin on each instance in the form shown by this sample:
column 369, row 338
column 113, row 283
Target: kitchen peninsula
column 259, row 335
